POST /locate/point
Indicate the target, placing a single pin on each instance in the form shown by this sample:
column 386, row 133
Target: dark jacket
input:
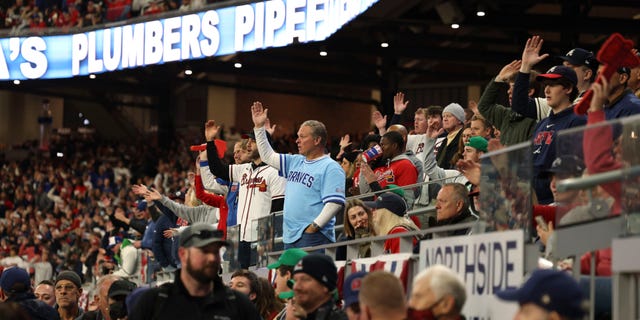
column 545, row 147
column 222, row 303
column 514, row 127
column 464, row 217
column 627, row 104
column 447, row 151
column 37, row 309
column 328, row 311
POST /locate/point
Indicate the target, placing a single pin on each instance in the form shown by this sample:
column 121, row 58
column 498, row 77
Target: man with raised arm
column 261, row 189
column 314, row 191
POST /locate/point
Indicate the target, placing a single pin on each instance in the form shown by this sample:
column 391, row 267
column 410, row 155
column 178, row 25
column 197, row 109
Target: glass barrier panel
column 504, row 202
column 585, row 154
column 230, row 256
column 265, row 229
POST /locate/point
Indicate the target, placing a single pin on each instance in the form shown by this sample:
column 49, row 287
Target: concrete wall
column 19, row 116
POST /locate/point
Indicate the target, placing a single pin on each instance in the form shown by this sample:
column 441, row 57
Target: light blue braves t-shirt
column 310, row 184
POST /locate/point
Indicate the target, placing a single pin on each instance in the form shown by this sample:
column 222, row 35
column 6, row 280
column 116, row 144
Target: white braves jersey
column 258, row 187
column 416, row 143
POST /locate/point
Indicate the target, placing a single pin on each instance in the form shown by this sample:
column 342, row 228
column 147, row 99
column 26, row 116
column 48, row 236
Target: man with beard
column 197, row 291
column 261, row 189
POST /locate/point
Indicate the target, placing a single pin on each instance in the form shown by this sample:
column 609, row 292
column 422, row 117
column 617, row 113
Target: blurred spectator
column 45, row 292
column 437, row 293
column 382, row 297
column 547, row 294
column 15, row 286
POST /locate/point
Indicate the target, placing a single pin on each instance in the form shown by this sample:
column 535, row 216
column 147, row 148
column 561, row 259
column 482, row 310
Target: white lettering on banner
column 36, row 61
column 170, row 38
column 244, row 24
column 274, row 20
column 486, row 263
column 294, row 18
column 225, row 30
column 190, row 32
column 315, row 14
column 95, row 65
column 133, row 48
column 152, row 42
column 79, row 51
column 211, row 42
column 112, row 55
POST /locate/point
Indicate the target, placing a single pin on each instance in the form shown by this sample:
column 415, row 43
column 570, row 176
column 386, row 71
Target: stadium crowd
column 105, row 209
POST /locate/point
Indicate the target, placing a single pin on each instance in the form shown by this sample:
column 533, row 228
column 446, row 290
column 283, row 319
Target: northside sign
column 249, row 27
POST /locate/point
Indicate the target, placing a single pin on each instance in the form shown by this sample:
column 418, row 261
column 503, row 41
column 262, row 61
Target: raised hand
column 473, row 106
column 508, row 71
column 345, row 141
column 269, row 128
column 258, row 114
column 379, row 120
column 211, row 130
column 494, row 145
column 367, row 173
column 531, row 54
column 152, row 195
column 433, row 131
column 470, row 169
column 544, row 234
column 399, row 105
column 600, row 94
column 139, row 189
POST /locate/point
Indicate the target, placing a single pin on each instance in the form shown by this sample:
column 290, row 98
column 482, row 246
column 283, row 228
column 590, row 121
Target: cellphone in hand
column 542, row 223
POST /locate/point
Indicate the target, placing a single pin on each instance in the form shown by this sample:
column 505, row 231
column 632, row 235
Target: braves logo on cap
column 356, row 284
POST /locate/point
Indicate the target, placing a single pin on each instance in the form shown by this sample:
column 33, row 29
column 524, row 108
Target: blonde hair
column 384, row 220
column 190, row 198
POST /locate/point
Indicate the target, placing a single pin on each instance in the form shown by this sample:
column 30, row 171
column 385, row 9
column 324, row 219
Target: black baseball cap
column 567, row 165
column 201, row 234
column 581, row 57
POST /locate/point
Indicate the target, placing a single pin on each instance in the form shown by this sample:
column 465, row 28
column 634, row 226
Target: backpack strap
column 161, row 300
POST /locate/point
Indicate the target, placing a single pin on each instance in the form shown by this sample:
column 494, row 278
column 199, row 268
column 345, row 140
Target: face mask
column 117, row 310
column 426, row 314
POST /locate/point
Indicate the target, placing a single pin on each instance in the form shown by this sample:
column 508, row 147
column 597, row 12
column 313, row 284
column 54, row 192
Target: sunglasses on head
column 205, row 234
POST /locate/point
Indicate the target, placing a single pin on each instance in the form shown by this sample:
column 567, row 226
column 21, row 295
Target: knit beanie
column 456, row 110
column 320, row 267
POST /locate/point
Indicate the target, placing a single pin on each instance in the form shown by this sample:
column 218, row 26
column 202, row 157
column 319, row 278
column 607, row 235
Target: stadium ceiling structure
column 395, row 44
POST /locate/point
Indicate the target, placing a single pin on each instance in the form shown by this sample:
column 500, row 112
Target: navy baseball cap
column 581, row 57
column 558, row 72
column 568, row 165
column 352, row 287
column 141, row 205
column 550, row 289
column 390, row 201
column 15, row 279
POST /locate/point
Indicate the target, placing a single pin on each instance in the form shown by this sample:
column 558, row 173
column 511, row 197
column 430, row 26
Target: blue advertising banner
column 249, row 27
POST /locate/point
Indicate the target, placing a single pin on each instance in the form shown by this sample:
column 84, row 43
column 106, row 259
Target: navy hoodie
column 544, row 148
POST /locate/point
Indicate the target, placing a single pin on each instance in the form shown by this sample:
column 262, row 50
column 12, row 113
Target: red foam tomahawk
column 221, row 146
column 614, row 53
